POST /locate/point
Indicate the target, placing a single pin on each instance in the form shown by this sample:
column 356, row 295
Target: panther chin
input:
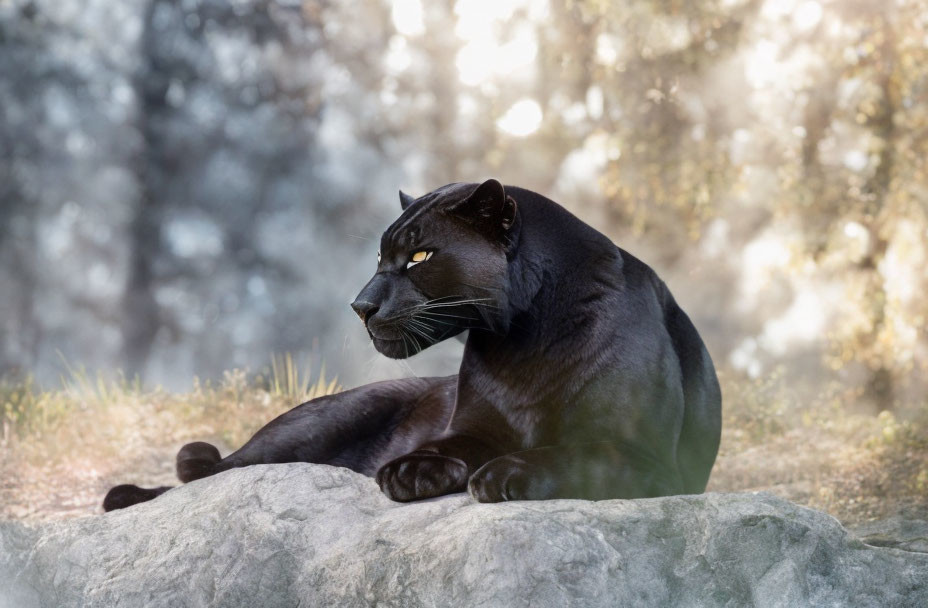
column 395, row 349
column 411, row 344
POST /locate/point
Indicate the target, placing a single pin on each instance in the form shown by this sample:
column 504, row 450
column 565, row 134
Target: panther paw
column 509, row 478
column 421, row 475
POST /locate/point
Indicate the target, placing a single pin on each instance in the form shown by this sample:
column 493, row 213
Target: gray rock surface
column 907, row 529
column 313, row 535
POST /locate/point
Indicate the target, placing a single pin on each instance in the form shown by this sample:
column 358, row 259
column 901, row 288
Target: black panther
column 581, row 376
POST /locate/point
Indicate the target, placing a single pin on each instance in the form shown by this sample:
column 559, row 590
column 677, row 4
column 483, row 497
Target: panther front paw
column 509, row 478
column 421, row 475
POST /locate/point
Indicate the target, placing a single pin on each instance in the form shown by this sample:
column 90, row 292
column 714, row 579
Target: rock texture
column 907, row 530
column 312, row 535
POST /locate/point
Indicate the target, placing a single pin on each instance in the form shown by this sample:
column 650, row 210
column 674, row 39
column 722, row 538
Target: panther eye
column 419, row 256
column 378, row 257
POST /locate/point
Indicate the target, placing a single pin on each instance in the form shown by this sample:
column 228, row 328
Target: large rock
column 312, row 535
column 906, row 529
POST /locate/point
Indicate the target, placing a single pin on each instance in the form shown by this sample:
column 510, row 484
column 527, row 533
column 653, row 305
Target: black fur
column 196, row 460
column 127, row 495
column 581, row 376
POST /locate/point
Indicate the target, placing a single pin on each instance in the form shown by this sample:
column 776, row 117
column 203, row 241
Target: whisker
column 448, row 315
column 475, row 302
column 429, row 318
column 415, row 341
column 420, row 323
column 434, row 303
column 440, row 298
column 405, row 345
column 420, row 331
column 414, row 306
column 453, row 300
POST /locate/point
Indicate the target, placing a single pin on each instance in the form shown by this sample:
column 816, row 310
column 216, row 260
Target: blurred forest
column 188, row 186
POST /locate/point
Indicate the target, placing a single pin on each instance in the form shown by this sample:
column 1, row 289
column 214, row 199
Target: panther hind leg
column 194, row 461
column 197, row 460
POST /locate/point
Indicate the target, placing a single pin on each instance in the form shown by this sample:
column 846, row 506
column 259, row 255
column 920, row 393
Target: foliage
column 92, row 414
column 768, row 157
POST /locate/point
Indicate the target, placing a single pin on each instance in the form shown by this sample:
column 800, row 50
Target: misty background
column 188, row 186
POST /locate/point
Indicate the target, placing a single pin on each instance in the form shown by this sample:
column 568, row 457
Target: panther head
column 442, row 268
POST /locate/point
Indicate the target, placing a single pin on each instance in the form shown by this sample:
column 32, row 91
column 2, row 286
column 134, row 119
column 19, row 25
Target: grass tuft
column 290, row 382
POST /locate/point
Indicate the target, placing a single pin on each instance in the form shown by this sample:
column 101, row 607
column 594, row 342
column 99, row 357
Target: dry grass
column 858, row 467
column 62, row 449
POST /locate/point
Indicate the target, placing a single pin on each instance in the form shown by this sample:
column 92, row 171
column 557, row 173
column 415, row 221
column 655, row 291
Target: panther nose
column 365, row 309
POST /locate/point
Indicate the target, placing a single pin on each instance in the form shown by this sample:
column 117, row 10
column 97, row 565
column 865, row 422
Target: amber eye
column 419, row 256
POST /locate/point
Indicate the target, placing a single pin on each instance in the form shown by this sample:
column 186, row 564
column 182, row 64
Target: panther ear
column 405, row 200
column 489, row 208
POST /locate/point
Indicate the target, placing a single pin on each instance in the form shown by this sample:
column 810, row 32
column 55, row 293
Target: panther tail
column 120, row 497
column 194, row 461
